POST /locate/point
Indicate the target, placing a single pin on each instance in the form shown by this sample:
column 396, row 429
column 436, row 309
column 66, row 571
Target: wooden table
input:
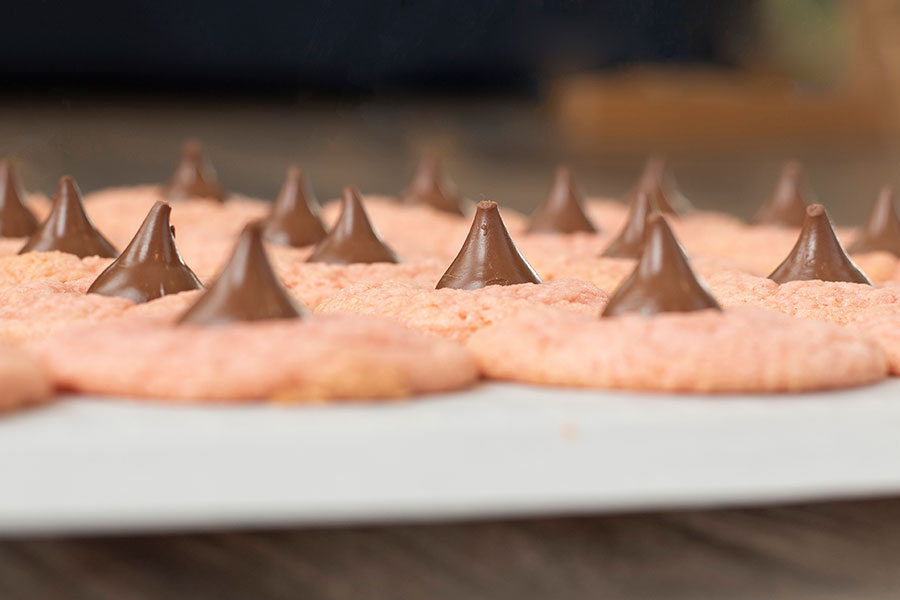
column 815, row 551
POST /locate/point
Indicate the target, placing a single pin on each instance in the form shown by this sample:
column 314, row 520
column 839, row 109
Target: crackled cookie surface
column 834, row 301
column 49, row 266
column 35, row 310
column 314, row 283
column 312, row 359
column 704, row 351
column 457, row 314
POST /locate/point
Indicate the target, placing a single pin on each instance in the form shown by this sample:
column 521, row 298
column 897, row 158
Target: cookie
column 413, row 231
column 457, row 314
column 33, row 311
column 705, row 351
column 833, row 301
column 313, row 283
column 22, row 382
column 59, row 267
column 302, row 360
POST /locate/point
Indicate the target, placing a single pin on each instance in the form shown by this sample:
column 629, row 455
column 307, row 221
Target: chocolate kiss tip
column 247, row 289
column 294, row 219
column 818, row 254
column 787, row 204
column 352, row 239
column 662, row 281
column 654, row 181
column 15, row 218
column 629, row 243
column 882, row 231
column 561, row 211
column 193, row 177
column 151, row 266
column 427, row 187
column 488, row 256
column 68, row 228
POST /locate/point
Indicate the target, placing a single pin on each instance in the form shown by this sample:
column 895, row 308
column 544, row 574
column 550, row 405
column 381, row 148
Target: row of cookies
column 483, row 294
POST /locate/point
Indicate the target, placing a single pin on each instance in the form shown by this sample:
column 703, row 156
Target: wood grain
column 822, row 551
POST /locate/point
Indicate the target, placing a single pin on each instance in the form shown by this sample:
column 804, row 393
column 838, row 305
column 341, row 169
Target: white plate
column 499, row 450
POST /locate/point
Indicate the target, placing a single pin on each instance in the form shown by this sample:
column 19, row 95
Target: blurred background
column 353, row 91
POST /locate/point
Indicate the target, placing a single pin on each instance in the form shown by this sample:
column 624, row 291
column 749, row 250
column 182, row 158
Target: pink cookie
column 414, row 232
column 202, row 226
column 11, row 246
column 314, row 283
column 22, row 382
column 606, row 214
column 33, row 311
column 758, row 249
column 457, row 314
column 738, row 350
column 608, row 273
column 545, row 249
column 885, row 329
column 879, row 267
column 313, row 359
column 49, row 266
column 837, row 302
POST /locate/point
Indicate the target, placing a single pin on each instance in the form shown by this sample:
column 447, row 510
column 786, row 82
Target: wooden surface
column 827, row 551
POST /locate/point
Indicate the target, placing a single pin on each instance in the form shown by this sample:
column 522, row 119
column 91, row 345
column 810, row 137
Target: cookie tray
column 90, row 465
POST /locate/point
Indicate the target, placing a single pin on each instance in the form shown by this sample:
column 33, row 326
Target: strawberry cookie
column 353, row 252
column 487, row 282
column 424, row 221
column 245, row 338
column 817, row 280
column 663, row 331
column 205, row 215
column 148, row 269
column 22, row 382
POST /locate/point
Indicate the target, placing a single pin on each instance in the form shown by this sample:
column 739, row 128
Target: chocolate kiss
column 294, row 220
column 663, row 280
column 194, row 176
column 488, row 256
column 561, row 211
column 630, row 241
column 15, row 219
column 818, row 254
column 352, row 239
column 247, row 289
column 427, row 187
column 656, row 181
column 882, row 231
column 150, row 266
column 68, row 228
column 787, row 205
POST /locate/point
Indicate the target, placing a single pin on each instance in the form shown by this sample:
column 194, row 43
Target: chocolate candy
column 630, row 241
column 294, row 220
column 818, row 254
column 194, row 176
column 561, row 211
column 150, row 266
column 68, row 228
column 659, row 184
column 882, row 231
column 15, row 218
column 787, row 205
column 663, row 280
column 352, row 239
column 247, row 289
column 428, row 187
column 488, row 256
